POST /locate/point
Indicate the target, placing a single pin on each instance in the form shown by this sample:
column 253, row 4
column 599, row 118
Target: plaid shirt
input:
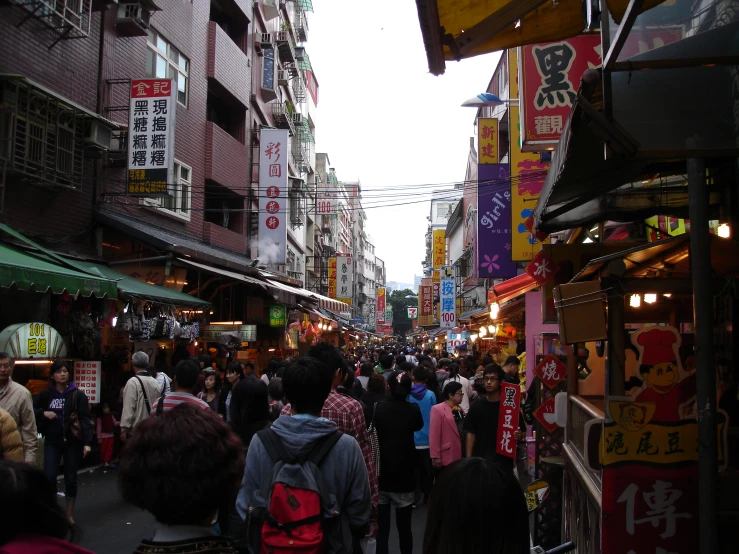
column 348, row 416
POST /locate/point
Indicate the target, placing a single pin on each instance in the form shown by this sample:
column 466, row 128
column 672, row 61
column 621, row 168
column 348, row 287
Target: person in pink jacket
column 445, row 432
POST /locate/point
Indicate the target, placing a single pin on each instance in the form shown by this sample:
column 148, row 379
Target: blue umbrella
column 484, row 99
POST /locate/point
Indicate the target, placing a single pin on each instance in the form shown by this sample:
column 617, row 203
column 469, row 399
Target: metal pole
column 616, row 366
column 700, row 261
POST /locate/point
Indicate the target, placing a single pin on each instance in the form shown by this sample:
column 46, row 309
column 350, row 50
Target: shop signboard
column 544, row 414
column 487, row 141
column 494, row 221
column 87, row 377
column 426, row 305
column 32, row 340
column 212, row 332
column 381, row 303
column 447, row 298
column 542, row 268
column 151, row 124
column 455, row 340
column 344, row 279
column 332, row 277
column 372, row 316
column 412, row 313
column 277, row 315
column 510, row 405
column 389, row 315
column 436, row 283
column 273, row 177
column 551, row 371
column 550, row 79
column 439, row 247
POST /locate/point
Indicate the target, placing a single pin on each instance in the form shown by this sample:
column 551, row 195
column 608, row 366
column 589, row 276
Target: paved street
column 110, row 526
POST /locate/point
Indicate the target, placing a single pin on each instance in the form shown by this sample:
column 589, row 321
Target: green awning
column 130, row 288
column 28, row 271
column 305, row 133
column 306, row 5
column 304, row 63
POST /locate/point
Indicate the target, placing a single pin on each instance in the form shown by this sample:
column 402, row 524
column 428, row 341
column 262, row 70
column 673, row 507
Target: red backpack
column 294, row 513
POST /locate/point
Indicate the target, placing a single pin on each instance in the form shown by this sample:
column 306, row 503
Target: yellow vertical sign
column 439, row 248
column 528, row 173
column 487, row 140
column 332, row 277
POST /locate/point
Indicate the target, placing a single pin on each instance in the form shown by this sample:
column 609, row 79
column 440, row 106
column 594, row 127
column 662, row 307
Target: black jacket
column 41, row 404
column 396, row 421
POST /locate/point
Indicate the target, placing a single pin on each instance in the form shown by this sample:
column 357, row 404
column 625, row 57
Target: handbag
column 75, row 426
column 374, row 441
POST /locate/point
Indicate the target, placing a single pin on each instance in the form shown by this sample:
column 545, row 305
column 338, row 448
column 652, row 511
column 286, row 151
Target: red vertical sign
column 510, row 403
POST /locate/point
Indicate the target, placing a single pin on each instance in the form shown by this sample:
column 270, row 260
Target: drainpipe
column 700, row 261
column 97, row 168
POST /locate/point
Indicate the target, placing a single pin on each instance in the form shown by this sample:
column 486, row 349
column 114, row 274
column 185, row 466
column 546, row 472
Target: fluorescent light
column 650, row 298
column 724, row 231
column 226, row 322
column 28, row 362
column 494, row 309
column 635, row 301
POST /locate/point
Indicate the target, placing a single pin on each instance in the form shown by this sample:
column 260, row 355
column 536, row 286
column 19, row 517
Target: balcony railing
column 283, row 117
column 285, row 46
column 300, row 25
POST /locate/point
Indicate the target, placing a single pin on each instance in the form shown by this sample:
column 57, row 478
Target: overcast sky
column 384, row 119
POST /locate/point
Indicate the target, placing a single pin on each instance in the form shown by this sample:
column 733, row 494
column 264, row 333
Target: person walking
column 212, row 389
column 396, row 421
column 467, row 392
column 424, row 399
column 234, row 374
column 139, row 395
column 511, row 367
column 185, row 376
column 17, row 401
column 63, row 417
column 376, row 392
column 276, row 397
column 105, row 426
column 11, row 447
column 250, row 409
column 447, row 428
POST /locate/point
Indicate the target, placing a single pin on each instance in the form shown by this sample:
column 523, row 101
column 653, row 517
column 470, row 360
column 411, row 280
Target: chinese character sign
column 487, row 140
column 332, row 277
column 151, row 134
column 389, row 315
column 273, row 156
column 542, row 268
column 32, row 340
column 494, row 221
column 425, row 305
column 87, row 377
column 551, row 371
column 550, row 75
column 439, row 247
column 510, row 402
column 447, row 298
column 344, row 279
column 372, row 317
column 277, row 315
column 381, row 300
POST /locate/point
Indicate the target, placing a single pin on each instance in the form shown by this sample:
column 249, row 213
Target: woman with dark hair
column 211, row 390
column 447, row 428
column 63, row 417
column 455, row 377
column 276, row 397
column 32, row 520
column 180, row 466
column 250, row 409
column 492, row 518
column 376, row 392
column 396, row 421
column 365, row 372
column 234, row 375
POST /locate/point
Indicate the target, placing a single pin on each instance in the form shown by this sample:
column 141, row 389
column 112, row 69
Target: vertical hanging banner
column 487, row 140
column 448, row 314
column 344, row 279
column 332, row 277
column 439, row 247
column 550, row 78
column 273, row 155
column 381, row 300
column 389, row 315
column 425, row 305
column 510, row 402
column 494, row 222
column 436, row 283
column 372, row 318
column 151, row 120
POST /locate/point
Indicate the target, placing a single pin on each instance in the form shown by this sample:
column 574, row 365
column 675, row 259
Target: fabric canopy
column 129, row 288
column 514, row 287
column 27, row 271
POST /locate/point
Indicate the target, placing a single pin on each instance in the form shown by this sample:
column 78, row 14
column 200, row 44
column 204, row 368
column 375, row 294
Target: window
column 178, row 204
column 164, row 61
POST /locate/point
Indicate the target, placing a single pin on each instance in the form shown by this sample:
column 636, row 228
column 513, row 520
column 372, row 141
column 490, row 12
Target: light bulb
column 494, row 309
column 491, row 329
column 724, row 231
column 483, row 331
column 650, row 298
column 635, row 301
column 667, row 294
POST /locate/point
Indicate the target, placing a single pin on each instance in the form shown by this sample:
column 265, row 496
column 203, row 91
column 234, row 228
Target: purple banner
column 494, row 221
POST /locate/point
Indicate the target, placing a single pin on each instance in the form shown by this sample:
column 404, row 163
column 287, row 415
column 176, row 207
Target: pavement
column 110, row 526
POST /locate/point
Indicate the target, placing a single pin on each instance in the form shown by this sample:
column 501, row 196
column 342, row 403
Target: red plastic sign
column 551, row 371
column 542, row 268
column 544, row 414
column 510, row 403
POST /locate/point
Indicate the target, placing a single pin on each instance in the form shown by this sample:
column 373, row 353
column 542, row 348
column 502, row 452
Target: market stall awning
column 130, row 288
column 224, row 273
column 511, row 288
column 469, row 314
column 27, row 271
column 330, row 303
column 278, row 287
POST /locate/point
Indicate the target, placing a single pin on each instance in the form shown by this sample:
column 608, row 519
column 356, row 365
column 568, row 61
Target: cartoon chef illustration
column 665, row 383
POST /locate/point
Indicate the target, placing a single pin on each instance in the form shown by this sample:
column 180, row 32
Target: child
column 106, row 422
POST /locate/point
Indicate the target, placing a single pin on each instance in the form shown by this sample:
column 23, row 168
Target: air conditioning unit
column 283, row 77
column 132, row 19
column 265, row 39
column 97, row 135
column 298, row 118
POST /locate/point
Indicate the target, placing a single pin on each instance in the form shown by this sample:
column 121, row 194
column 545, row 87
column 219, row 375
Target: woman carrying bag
column 63, row 417
column 446, row 429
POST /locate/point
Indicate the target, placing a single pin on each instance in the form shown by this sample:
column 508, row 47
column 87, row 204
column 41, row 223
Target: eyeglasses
column 490, row 379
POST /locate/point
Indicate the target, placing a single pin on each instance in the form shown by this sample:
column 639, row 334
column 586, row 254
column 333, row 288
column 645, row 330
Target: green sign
column 277, row 315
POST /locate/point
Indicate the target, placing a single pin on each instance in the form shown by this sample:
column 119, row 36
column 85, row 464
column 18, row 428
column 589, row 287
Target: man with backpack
column 323, row 502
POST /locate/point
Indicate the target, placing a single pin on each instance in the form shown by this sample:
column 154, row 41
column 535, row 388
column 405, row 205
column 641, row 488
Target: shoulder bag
column 146, row 397
column 75, row 426
column 374, row 441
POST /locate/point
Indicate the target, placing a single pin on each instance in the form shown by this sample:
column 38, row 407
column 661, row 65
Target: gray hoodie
column 343, row 470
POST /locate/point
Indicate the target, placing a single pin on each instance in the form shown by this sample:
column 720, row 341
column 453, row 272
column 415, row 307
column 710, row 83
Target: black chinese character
column 160, row 107
column 615, row 444
column 646, row 446
column 159, row 141
column 141, row 107
column 509, row 397
column 139, row 124
column 673, row 443
column 139, row 158
column 157, row 157
column 139, row 142
column 159, row 124
column 343, row 278
column 554, row 63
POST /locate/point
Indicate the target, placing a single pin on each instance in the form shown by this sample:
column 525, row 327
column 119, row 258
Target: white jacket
column 134, row 406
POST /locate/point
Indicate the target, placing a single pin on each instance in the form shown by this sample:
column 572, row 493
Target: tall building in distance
column 443, row 203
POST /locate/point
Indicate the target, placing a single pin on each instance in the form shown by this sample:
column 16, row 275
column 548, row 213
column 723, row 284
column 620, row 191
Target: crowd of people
column 348, row 436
